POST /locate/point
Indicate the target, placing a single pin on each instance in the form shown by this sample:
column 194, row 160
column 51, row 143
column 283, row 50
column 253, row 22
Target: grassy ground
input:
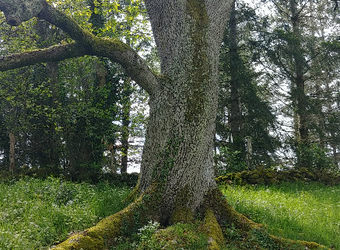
column 309, row 212
column 35, row 214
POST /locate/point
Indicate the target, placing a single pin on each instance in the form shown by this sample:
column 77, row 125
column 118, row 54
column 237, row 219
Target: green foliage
column 62, row 113
column 119, row 180
column 264, row 240
column 315, row 158
column 244, row 110
column 303, row 70
column 255, row 239
column 179, row 236
column 36, row 214
column 229, row 162
column 144, row 236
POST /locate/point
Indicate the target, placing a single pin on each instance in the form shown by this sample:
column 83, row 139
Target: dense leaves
column 63, row 114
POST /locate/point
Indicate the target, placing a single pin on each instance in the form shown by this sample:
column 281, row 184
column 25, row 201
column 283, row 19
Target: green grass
column 35, row 214
column 297, row 211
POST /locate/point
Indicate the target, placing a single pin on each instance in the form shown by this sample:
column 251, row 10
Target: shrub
column 314, row 157
column 261, row 176
column 229, row 162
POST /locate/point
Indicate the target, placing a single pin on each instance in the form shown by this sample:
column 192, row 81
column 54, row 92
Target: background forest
column 279, row 92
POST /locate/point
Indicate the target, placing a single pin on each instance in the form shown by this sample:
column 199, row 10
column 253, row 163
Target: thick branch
column 114, row 49
column 133, row 64
column 86, row 44
column 67, row 24
column 52, row 54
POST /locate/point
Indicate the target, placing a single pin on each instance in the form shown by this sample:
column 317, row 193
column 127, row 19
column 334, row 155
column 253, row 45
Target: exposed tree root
column 218, row 214
column 101, row 236
column 95, row 238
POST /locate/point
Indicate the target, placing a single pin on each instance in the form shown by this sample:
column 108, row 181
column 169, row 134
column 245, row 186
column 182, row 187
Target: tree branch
column 133, row 64
column 51, row 54
column 336, row 4
column 67, row 24
column 86, row 44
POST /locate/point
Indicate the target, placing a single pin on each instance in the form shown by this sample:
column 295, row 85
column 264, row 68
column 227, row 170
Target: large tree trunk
column 178, row 152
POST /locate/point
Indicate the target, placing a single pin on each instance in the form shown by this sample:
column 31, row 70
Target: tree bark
column 178, row 151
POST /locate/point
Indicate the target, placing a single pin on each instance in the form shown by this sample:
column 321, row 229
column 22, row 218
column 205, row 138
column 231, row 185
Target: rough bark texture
column 17, row 12
column 178, row 151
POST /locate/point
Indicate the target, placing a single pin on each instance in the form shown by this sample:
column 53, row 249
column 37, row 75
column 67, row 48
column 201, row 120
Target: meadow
column 37, row 214
column 299, row 211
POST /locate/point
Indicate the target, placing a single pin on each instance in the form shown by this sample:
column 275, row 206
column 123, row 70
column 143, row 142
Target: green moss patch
column 263, row 176
column 180, row 236
column 213, row 230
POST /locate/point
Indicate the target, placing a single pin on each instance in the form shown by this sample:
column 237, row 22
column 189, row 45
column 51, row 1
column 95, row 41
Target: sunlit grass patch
column 36, row 213
column 309, row 212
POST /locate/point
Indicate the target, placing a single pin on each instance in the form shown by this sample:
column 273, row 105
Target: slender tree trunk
column 127, row 90
column 235, row 102
column 11, row 152
column 54, row 150
column 249, row 155
column 50, row 147
column 126, row 123
column 299, row 98
column 125, row 145
column 113, row 161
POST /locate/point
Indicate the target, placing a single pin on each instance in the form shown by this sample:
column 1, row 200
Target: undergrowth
column 36, row 214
